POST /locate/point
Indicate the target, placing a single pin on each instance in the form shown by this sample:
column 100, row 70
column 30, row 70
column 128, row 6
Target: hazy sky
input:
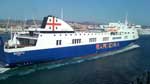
column 78, row 10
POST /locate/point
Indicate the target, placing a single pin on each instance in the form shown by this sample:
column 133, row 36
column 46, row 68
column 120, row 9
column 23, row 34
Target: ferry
column 56, row 40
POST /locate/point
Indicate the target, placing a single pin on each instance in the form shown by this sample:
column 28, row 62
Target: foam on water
column 7, row 72
column 2, row 70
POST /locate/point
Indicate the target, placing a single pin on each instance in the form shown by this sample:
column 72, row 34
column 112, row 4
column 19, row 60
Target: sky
column 101, row 11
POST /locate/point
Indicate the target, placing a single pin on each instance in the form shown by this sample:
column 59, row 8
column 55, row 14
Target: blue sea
column 110, row 68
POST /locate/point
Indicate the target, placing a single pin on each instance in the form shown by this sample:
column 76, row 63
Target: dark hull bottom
column 38, row 56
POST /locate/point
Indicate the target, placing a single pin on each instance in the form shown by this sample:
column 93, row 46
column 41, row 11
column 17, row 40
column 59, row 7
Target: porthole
column 49, row 20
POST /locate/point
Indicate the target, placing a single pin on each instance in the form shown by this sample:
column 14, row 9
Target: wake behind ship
column 57, row 40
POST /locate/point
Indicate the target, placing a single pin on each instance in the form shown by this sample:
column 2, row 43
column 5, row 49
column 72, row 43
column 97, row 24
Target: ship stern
column 2, row 54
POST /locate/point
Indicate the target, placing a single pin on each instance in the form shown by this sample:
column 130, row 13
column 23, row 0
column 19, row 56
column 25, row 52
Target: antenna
column 126, row 19
column 7, row 25
column 16, row 22
column 62, row 13
column 34, row 21
column 11, row 34
column 24, row 24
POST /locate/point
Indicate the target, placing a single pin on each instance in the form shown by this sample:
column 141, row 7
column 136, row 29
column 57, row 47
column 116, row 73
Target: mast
column 24, row 25
column 11, row 35
column 62, row 13
column 34, row 22
column 126, row 19
column 6, row 30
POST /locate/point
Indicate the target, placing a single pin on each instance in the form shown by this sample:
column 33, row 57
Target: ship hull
column 44, row 55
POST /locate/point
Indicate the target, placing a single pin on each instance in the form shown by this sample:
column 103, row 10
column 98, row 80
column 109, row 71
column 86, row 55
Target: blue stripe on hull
column 30, row 57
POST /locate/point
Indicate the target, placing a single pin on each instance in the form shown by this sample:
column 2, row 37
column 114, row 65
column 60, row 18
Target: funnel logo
column 53, row 24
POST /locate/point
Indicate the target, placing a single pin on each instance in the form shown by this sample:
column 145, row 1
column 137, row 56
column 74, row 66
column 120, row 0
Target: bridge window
column 27, row 42
column 119, row 33
column 113, row 33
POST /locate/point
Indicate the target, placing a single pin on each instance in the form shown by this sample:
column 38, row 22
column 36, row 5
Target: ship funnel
column 52, row 23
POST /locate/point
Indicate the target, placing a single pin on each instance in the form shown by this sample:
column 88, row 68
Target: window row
column 114, row 38
column 120, row 33
column 75, row 34
column 92, row 39
column 76, row 41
